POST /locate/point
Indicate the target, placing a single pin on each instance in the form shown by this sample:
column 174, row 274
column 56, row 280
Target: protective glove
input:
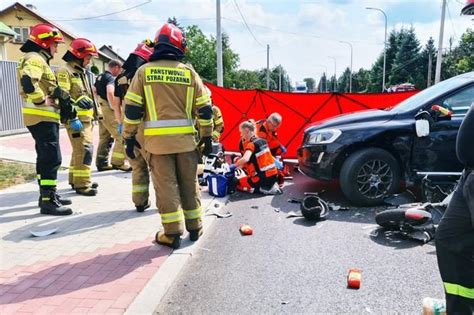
column 278, row 164
column 130, row 144
column 119, row 129
column 75, row 124
column 283, row 149
column 232, row 168
column 207, row 146
column 84, row 103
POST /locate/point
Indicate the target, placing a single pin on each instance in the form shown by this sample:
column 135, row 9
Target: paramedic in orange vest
column 266, row 129
column 167, row 95
column 257, row 162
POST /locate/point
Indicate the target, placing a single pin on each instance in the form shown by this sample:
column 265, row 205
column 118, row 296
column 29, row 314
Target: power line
column 246, row 25
column 102, row 15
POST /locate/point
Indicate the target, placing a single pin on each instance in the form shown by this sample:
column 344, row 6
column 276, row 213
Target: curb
column 150, row 297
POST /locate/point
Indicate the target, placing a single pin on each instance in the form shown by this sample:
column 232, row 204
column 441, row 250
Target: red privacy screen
column 298, row 110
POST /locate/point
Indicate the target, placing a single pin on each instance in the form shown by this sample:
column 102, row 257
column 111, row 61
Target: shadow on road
column 72, row 225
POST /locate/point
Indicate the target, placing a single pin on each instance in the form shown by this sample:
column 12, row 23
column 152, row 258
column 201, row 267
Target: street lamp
column 350, row 75
column 335, row 77
column 384, row 45
column 325, row 77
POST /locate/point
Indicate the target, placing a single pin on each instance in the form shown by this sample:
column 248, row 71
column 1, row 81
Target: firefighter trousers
column 48, row 153
column 455, row 252
column 108, row 135
column 177, row 191
column 81, row 159
column 140, row 177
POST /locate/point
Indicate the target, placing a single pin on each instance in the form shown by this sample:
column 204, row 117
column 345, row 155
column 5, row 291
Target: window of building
column 22, row 34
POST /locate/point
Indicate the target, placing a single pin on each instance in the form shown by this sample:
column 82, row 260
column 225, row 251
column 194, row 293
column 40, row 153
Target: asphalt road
column 291, row 265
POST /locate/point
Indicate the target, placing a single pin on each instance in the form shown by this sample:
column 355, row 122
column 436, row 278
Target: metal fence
column 11, row 119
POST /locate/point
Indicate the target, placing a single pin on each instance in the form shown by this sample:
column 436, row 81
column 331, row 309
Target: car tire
column 368, row 176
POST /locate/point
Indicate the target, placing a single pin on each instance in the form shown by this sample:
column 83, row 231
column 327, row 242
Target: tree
column 428, row 53
column 310, row 84
column 343, row 81
column 323, row 83
column 406, row 65
column 361, row 81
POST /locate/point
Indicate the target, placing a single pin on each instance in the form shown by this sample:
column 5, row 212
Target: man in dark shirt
column 455, row 233
column 108, row 126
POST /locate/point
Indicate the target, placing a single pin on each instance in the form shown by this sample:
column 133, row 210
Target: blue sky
column 302, row 35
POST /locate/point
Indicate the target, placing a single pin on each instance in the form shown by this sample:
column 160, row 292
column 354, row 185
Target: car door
column 437, row 151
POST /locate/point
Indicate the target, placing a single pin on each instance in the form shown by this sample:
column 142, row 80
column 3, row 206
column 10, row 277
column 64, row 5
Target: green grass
column 14, row 173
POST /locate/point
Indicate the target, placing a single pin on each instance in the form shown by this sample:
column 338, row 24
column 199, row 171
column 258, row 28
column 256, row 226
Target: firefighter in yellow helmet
column 168, row 95
column 74, row 80
column 140, row 172
column 41, row 114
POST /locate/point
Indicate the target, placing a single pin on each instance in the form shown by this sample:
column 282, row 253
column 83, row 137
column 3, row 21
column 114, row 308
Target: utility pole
column 428, row 80
column 268, row 67
column 439, row 57
column 220, row 70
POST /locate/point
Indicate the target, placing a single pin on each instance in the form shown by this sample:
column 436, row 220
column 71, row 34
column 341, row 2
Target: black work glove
column 84, row 103
column 207, row 141
column 130, row 144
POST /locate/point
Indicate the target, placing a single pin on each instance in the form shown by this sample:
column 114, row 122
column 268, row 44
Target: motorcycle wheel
column 390, row 219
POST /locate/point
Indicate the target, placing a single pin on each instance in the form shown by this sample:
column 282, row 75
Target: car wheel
column 369, row 175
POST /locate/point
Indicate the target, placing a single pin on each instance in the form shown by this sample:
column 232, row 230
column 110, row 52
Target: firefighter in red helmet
column 140, row 173
column 41, row 114
column 74, row 80
column 167, row 95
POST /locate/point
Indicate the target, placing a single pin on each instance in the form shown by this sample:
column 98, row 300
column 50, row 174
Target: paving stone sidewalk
column 101, row 260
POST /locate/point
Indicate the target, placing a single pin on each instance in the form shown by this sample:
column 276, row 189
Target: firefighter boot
column 50, row 204
column 173, row 241
column 87, row 191
column 195, row 234
column 94, row 185
column 64, row 201
column 123, row 167
column 143, row 208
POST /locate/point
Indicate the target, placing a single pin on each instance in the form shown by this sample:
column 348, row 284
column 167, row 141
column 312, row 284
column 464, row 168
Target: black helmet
column 314, row 208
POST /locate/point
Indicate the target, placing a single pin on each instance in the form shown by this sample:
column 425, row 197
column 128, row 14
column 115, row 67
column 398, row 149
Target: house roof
column 111, row 53
column 19, row 6
column 5, row 30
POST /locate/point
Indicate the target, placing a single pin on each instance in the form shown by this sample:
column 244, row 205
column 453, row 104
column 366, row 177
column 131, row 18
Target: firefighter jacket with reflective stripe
column 218, row 123
column 270, row 136
column 35, row 66
column 261, row 162
column 73, row 79
column 170, row 95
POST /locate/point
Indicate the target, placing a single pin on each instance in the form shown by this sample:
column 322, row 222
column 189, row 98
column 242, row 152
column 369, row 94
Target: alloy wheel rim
column 374, row 179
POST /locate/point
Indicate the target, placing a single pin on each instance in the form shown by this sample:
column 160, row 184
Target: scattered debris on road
column 354, row 278
column 245, row 229
column 43, row 233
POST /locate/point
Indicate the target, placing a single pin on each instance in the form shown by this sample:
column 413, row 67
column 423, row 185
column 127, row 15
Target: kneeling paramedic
column 140, row 172
column 168, row 95
column 73, row 79
column 41, row 114
column 257, row 162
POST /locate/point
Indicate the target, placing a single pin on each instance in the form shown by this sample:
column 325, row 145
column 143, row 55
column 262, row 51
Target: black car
column 374, row 152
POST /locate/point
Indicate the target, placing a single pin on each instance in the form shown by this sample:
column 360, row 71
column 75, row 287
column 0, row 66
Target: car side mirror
column 422, row 127
column 423, row 120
